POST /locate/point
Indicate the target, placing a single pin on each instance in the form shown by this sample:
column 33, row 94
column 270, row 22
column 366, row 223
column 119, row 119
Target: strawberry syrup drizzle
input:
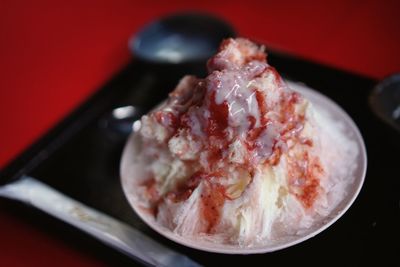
column 303, row 179
column 218, row 120
column 212, row 197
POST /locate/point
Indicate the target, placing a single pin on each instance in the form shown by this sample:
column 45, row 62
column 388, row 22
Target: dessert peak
column 235, row 53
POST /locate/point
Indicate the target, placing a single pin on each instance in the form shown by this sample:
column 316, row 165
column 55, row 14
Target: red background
column 54, row 54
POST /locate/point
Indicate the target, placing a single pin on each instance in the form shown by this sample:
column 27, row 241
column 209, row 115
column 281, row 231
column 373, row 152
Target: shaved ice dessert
column 238, row 157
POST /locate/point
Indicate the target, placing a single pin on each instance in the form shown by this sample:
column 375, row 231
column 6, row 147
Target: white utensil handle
column 101, row 226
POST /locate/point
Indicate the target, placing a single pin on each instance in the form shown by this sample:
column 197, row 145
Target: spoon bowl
column 182, row 38
column 385, row 101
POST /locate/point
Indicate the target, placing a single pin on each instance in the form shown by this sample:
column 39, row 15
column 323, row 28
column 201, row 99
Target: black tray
column 80, row 157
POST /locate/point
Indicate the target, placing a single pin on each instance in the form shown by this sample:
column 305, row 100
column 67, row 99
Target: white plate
column 129, row 170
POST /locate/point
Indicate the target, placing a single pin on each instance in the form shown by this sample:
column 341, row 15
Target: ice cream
column 238, row 157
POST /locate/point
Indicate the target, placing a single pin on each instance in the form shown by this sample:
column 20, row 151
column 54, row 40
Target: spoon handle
column 101, row 226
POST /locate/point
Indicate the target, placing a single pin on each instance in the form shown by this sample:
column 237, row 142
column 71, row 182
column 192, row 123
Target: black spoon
column 385, row 101
column 178, row 44
column 181, row 38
